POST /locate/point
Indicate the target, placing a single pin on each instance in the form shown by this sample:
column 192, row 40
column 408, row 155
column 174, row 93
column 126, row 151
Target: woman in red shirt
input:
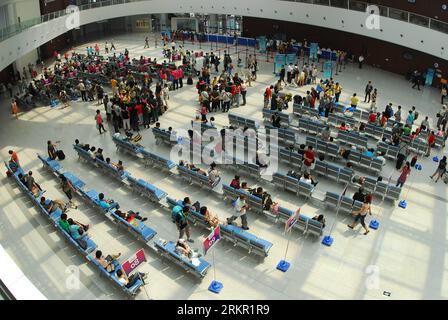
column 431, row 142
column 343, row 127
column 99, row 121
column 139, row 109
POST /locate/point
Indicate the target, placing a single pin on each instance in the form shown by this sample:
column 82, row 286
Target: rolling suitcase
column 414, row 161
column 60, row 154
column 400, row 160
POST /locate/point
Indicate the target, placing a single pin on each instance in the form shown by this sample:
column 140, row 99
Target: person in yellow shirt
column 354, row 101
column 337, row 91
column 113, row 84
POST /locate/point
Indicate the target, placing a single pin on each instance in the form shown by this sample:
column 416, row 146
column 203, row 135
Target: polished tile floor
column 406, row 256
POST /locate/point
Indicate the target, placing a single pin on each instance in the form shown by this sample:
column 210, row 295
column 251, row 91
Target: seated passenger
column 99, row 154
column 369, row 153
column 211, row 219
column 293, row 174
column 362, row 128
column 325, row 134
column 31, row 184
column 184, row 249
column 77, row 232
column 344, row 153
column 65, row 224
column 372, row 117
column 321, row 219
column 130, row 282
column 343, row 127
column 104, row 203
column 244, row 186
column 235, row 182
column 106, row 262
column 381, row 157
column 130, row 216
column 308, row 179
column 258, row 192
column 186, row 202
column 85, row 147
column 52, row 205
column 92, row 152
column 213, row 173
column 275, row 120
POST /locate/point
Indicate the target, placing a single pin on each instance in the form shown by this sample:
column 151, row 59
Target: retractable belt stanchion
column 284, row 265
column 328, row 240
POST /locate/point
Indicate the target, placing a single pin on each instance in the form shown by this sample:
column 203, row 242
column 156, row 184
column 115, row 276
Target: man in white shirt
column 360, row 60
column 289, row 73
column 240, row 207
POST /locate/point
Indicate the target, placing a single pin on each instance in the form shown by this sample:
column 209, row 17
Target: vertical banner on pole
column 212, row 239
column 313, row 50
column 280, row 60
column 429, row 76
column 328, row 70
column 133, row 262
column 262, row 44
column 284, row 265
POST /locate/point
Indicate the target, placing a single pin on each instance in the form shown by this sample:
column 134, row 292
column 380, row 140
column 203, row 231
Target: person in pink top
column 99, row 121
column 181, row 76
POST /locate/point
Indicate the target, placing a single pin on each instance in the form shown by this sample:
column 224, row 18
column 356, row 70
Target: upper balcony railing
column 355, row 5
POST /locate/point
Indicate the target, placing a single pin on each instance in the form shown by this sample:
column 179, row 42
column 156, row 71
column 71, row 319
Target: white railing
column 355, row 5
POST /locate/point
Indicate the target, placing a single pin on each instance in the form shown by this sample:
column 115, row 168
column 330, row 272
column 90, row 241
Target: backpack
column 415, row 115
column 175, row 212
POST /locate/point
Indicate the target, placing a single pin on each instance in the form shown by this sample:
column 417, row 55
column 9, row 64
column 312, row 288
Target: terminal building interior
column 204, row 150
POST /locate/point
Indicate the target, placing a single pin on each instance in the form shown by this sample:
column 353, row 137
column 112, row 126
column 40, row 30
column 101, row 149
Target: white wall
column 412, row 35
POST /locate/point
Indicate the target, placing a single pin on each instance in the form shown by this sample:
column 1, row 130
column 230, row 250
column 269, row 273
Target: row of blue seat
column 197, row 178
column 242, row 122
column 141, row 231
column 92, row 197
column 54, row 217
column 234, row 234
column 138, row 151
column 163, row 136
column 203, row 180
column 357, row 158
column 91, row 245
column 143, row 187
column 284, row 117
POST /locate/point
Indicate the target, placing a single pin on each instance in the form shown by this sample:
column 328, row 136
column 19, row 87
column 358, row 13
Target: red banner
column 212, row 239
column 133, row 262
